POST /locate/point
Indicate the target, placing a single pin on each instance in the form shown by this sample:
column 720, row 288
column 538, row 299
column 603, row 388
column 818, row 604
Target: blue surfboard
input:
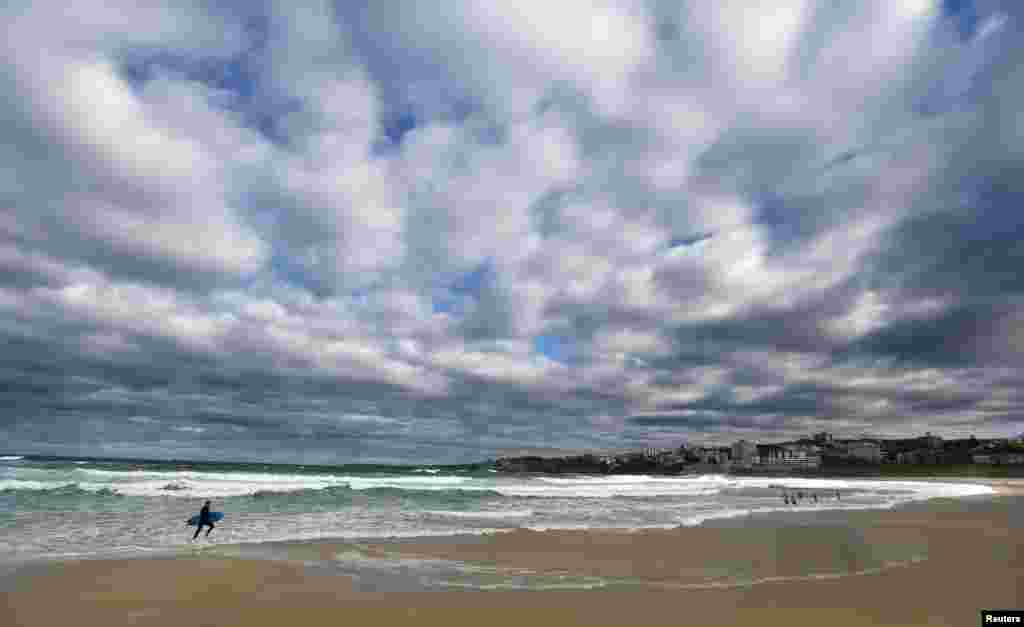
column 214, row 517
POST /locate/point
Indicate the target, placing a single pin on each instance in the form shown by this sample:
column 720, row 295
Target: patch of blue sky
column 964, row 15
column 447, row 304
column 470, row 283
column 451, row 296
column 235, row 77
column 967, row 77
column 787, row 222
column 394, row 128
column 553, row 346
column 232, row 74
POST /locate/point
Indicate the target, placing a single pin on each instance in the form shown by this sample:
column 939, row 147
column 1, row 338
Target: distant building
column 931, row 441
column 823, row 438
column 710, row 454
column 651, row 453
column 788, row 455
column 769, row 453
column 744, row 453
column 865, row 450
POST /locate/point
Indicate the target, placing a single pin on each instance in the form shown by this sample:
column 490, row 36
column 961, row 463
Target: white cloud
column 756, row 40
column 873, row 311
column 148, row 188
column 509, row 54
column 609, row 173
column 627, row 341
column 512, row 362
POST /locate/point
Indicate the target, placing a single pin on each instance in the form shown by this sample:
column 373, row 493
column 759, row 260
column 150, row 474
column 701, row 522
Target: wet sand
column 970, row 555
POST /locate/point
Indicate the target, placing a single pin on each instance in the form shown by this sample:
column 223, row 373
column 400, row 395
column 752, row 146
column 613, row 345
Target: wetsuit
column 204, row 520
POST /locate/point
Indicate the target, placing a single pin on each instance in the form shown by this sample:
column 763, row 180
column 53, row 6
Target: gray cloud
column 336, row 233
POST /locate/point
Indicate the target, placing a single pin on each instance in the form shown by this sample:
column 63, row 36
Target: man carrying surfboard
column 204, row 519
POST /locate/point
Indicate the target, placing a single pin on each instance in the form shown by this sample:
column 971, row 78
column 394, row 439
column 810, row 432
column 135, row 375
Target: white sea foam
column 484, row 515
column 314, row 532
column 193, row 484
column 23, row 484
column 433, row 482
column 614, row 486
column 720, row 514
column 606, row 502
column 11, row 458
column 608, row 526
column 545, row 581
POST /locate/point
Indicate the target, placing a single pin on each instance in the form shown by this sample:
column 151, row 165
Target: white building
column 652, row 453
column 795, row 455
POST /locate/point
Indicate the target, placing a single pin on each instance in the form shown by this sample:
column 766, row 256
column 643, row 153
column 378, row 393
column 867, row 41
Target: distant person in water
column 204, row 520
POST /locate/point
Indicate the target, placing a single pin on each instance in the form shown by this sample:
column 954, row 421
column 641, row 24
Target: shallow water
column 58, row 509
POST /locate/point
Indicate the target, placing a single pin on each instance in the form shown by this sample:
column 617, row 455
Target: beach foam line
column 192, row 483
column 585, row 582
column 746, row 583
column 645, row 479
column 642, row 486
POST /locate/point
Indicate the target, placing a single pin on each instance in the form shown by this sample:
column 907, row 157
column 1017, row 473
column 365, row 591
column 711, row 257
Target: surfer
column 204, row 519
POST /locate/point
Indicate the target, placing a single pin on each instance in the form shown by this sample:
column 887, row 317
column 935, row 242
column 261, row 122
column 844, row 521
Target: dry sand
column 973, row 550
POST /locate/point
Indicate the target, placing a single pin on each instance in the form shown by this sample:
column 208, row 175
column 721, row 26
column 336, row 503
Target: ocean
column 53, row 509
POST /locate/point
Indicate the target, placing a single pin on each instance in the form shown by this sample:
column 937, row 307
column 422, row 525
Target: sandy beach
column 934, row 563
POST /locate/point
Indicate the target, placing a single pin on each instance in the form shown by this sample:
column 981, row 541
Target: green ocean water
column 53, row 509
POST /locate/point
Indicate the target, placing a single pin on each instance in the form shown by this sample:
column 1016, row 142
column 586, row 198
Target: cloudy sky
column 438, row 231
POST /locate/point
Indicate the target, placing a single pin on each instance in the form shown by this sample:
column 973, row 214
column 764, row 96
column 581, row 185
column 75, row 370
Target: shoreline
column 794, row 514
column 791, row 514
column 1001, row 486
column 948, row 558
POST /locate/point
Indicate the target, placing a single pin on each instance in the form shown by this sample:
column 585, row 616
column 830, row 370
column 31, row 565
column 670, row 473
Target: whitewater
column 60, row 509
